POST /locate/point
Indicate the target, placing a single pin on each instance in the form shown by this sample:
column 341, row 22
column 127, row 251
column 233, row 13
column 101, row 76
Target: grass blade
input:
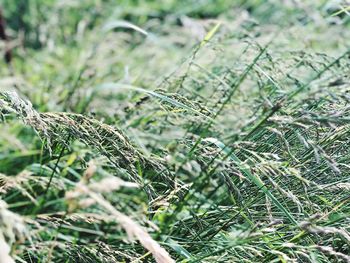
column 254, row 179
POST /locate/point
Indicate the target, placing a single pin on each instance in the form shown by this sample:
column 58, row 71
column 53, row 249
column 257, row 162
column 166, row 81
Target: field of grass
column 175, row 131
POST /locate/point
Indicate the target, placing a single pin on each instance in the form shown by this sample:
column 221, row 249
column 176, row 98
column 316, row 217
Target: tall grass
column 195, row 131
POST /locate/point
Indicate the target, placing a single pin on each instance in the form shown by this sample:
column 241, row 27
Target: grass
column 175, row 131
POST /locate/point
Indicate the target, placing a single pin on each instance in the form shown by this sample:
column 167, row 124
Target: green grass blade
column 254, row 179
column 210, row 34
column 113, row 86
column 123, row 24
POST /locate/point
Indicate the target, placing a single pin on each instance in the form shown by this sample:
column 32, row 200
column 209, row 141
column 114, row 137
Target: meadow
column 175, row 131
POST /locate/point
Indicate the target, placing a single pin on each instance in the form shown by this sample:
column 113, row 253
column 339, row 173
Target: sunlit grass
column 189, row 131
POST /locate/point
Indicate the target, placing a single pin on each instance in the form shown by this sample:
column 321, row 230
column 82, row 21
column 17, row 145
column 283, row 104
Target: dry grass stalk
column 133, row 229
column 5, row 251
column 12, row 229
column 92, row 194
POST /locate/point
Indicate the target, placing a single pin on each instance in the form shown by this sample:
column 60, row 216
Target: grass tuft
column 185, row 131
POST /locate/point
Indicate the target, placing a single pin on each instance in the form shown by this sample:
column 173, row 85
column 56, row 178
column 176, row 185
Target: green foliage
column 204, row 131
